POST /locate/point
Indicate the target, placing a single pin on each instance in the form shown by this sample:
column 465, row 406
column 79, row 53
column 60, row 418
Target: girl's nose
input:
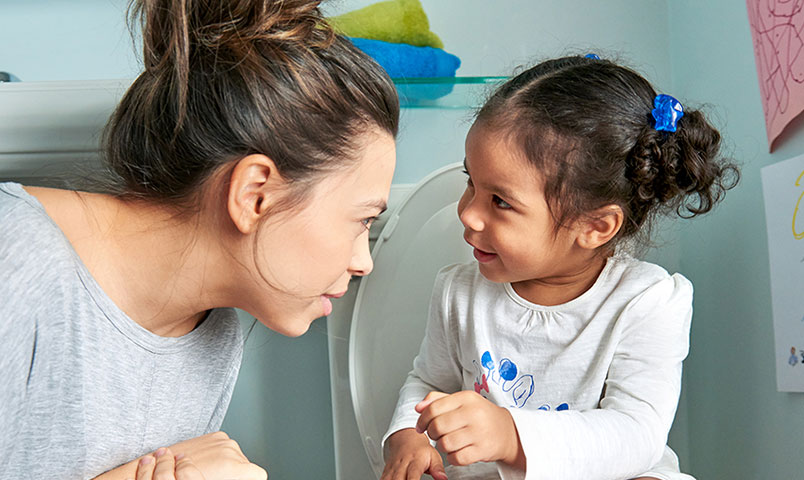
column 362, row 263
column 469, row 213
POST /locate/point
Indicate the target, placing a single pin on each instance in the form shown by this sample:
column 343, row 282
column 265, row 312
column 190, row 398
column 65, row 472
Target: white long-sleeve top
column 592, row 384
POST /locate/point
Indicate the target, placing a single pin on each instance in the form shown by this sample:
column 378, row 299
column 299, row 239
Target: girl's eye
column 468, row 178
column 500, row 202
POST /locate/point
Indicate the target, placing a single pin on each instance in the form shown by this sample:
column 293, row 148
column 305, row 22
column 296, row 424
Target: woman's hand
column 219, row 457
column 411, row 456
column 215, row 456
column 469, row 428
column 162, row 465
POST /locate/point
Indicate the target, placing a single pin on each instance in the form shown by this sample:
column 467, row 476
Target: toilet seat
column 390, row 313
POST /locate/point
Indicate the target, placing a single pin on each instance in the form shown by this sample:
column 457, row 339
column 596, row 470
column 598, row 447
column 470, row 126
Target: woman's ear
column 600, row 227
column 254, row 186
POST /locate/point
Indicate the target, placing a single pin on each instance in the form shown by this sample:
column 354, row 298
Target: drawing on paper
column 777, row 29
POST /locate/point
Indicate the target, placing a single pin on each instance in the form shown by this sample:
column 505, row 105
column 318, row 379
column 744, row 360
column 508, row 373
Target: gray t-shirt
column 85, row 388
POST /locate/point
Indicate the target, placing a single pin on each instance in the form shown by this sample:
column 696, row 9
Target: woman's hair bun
column 173, row 29
column 178, row 34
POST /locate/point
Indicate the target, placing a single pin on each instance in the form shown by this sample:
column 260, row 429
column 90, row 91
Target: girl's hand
column 219, row 458
column 411, row 456
column 469, row 428
column 163, row 466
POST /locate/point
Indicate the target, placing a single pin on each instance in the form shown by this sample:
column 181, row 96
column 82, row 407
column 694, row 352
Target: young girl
column 557, row 355
column 251, row 156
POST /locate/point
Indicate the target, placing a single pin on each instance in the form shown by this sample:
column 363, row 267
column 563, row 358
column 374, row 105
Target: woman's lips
column 326, row 303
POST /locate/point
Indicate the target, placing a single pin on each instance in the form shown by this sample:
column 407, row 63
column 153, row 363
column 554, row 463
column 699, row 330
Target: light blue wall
column 66, row 40
column 740, row 427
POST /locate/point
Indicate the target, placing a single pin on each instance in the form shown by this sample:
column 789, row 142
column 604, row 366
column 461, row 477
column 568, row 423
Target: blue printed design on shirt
column 504, row 374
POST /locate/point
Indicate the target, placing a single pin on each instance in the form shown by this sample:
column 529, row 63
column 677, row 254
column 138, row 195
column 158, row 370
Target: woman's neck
column 160, row 269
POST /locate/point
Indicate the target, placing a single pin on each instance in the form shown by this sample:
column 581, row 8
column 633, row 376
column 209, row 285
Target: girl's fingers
column 438, row 406
column 430, row 398
column 165, row 465
column 145, row 468
column 186, row 469
column 437, row 467
column 465, row 456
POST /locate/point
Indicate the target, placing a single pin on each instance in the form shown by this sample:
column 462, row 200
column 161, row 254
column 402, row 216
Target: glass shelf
column 454, row 93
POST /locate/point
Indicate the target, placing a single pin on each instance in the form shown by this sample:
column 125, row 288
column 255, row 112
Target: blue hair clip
column 667, row 111
column 592, row 56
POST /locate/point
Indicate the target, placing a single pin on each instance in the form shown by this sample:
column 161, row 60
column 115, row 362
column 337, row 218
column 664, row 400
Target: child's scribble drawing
column 777, row 28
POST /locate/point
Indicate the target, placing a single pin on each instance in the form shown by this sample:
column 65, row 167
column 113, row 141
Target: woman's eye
column 368, row 222
column 500, row 202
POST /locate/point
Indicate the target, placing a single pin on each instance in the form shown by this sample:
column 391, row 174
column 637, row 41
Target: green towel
column 395, row 21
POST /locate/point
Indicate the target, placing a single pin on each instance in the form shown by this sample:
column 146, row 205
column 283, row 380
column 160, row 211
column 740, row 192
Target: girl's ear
column 600, row 227
column 254, row 186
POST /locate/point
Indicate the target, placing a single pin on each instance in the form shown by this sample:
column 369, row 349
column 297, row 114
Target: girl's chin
column 491, row 274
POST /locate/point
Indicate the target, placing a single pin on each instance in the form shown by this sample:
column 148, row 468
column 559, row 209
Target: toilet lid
column 390, row 314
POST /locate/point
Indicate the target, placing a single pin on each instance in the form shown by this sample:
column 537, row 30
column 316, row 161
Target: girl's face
column 507, row 220
column 307, row 255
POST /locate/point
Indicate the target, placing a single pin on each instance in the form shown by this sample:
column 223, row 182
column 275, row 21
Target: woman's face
column 308, row 254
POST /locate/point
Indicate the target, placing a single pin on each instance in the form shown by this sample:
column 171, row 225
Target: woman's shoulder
column 25, row 224
column 15, row 199
column 32, row 247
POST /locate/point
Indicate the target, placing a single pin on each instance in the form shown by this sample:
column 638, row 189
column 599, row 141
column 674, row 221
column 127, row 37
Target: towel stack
column 396, row 33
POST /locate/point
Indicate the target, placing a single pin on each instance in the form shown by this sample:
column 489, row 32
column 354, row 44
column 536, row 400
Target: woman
column 251, row 157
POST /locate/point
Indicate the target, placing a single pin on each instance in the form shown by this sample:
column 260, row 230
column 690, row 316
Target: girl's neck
column 558, row 290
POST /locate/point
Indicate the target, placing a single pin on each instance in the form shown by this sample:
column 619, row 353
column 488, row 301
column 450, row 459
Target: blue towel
column 401, row 60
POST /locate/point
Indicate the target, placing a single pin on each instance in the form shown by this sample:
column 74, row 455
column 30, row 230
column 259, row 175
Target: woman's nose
column 362, row 263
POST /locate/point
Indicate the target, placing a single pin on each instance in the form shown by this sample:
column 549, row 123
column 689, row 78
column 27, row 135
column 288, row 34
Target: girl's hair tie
column 592, row 56
column 667, row 111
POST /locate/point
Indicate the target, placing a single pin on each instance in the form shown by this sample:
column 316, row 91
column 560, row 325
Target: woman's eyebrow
column 380, row 205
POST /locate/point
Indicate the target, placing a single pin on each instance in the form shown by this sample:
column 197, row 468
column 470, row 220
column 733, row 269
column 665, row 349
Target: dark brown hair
column 224, row 79
column 586, row 125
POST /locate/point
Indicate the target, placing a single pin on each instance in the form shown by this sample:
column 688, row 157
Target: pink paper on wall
column 777, row 28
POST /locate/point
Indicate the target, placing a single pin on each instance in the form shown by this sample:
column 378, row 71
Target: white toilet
column 372, row 345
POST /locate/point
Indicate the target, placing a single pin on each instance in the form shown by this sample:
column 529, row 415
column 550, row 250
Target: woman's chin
column 290, row 325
